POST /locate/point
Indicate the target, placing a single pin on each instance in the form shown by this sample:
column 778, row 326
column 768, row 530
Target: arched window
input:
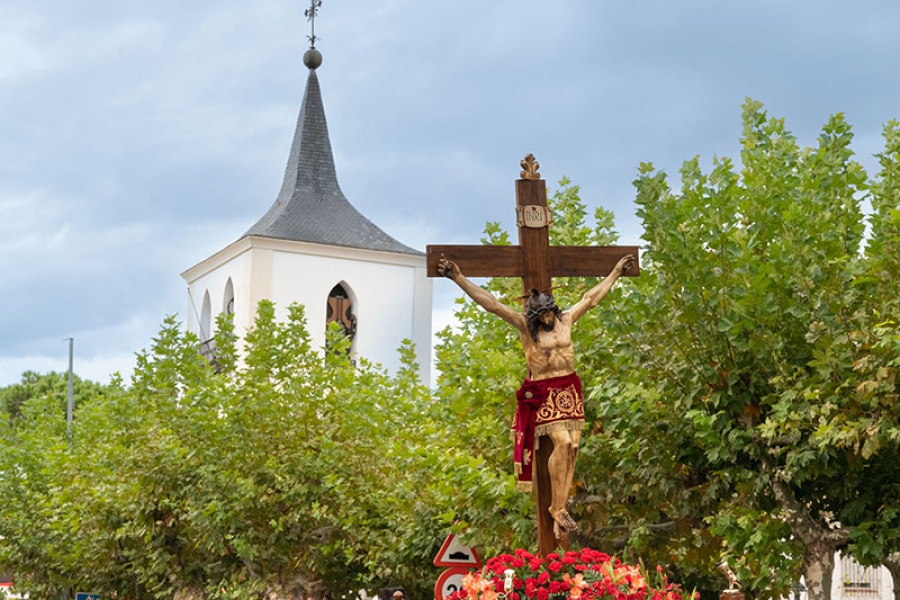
column 207, row 341
column 228, row 298
column 340, row 310
column 205, row 332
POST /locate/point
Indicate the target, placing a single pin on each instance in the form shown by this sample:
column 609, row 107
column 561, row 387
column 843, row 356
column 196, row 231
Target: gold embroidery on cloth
column 564, row 403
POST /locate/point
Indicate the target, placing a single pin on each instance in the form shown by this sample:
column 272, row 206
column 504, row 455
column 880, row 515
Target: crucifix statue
column 550, row 408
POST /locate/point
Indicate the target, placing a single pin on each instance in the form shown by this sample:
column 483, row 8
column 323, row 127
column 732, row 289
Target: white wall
column 845, row 582
column 392, row 295
column 214, row 281
column 848, row 575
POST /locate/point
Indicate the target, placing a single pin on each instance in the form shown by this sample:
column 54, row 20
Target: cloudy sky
column 137, row 137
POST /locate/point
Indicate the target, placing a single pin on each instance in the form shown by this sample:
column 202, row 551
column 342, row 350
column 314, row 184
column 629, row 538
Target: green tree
column 765, row 339
column 742, row 392
column 291, row 472
column 625, row 499
column 878, row 534
column 53, row 384
column 742, row 403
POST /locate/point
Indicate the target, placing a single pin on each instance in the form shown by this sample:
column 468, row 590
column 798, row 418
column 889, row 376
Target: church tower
column 314, row 248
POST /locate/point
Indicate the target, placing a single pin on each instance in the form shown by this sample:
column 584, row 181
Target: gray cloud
column 138, row 138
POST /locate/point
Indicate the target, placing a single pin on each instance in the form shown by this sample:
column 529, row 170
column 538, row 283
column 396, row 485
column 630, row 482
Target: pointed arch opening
column 228, row 298
column 340, row 309
column 205, row 332
column 207, row 341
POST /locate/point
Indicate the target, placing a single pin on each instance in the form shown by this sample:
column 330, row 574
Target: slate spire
column 311, row 206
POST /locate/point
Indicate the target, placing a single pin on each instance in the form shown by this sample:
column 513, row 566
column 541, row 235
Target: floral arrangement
column 583, row 575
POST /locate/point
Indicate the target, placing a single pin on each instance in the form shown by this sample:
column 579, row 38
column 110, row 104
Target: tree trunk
column 820, row 543
column 818, row 570
column 892, row 563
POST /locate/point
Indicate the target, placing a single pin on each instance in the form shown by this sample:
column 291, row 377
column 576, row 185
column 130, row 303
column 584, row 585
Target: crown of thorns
column 539, row 302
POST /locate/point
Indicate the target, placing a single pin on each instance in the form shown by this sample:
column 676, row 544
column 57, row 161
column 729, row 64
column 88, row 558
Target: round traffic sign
column 449, row 581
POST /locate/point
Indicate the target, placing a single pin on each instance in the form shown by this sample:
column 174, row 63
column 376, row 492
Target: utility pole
column 70, row 411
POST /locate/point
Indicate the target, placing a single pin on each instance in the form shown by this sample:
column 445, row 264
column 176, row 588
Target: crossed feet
column 563, row 522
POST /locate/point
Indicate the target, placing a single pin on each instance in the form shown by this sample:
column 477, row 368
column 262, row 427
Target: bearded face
column 547, row 320
column 541, row 313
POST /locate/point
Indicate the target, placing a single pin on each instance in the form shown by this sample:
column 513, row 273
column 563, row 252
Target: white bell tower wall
column 390, row 292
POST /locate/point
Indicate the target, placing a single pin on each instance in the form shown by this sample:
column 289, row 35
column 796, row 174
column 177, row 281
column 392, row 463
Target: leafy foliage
column 742, row 403
column 629, row 492
column 762, row 334
column 291, row 471
column 55, row 385
column 743, row 389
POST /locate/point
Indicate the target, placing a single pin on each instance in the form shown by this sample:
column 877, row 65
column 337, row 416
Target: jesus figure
column 550, row 402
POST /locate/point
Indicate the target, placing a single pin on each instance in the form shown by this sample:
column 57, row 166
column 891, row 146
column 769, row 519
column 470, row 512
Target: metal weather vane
column 310, row 14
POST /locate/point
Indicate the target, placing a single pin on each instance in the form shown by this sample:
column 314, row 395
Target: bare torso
column 552, row 355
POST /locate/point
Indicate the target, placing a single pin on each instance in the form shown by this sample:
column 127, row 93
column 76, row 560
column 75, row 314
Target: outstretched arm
column 594, row 295
column 481, row 296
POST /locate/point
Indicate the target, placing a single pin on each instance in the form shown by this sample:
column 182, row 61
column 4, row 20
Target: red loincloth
column 543, row 406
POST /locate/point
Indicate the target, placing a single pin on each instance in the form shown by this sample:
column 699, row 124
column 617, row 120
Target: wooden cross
column 536, row 262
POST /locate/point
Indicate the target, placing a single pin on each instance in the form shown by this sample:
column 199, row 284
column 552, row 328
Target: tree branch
column 801, row 522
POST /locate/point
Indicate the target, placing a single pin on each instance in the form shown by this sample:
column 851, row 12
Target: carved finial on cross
column 530, row 168
column 310, row 14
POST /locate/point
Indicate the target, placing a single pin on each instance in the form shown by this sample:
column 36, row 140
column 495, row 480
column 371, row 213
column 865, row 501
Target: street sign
column 86, row 596
column 449, row 581
column 454, row 554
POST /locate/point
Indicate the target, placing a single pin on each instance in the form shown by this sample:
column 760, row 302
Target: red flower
column 583, row 575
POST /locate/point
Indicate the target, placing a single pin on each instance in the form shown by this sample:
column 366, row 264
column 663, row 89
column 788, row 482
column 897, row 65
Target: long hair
column 537, row 303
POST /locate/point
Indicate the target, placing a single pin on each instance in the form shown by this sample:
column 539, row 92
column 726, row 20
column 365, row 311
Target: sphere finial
column 312, row 58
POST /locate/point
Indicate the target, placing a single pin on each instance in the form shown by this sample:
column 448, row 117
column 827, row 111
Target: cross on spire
column 310, row 14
